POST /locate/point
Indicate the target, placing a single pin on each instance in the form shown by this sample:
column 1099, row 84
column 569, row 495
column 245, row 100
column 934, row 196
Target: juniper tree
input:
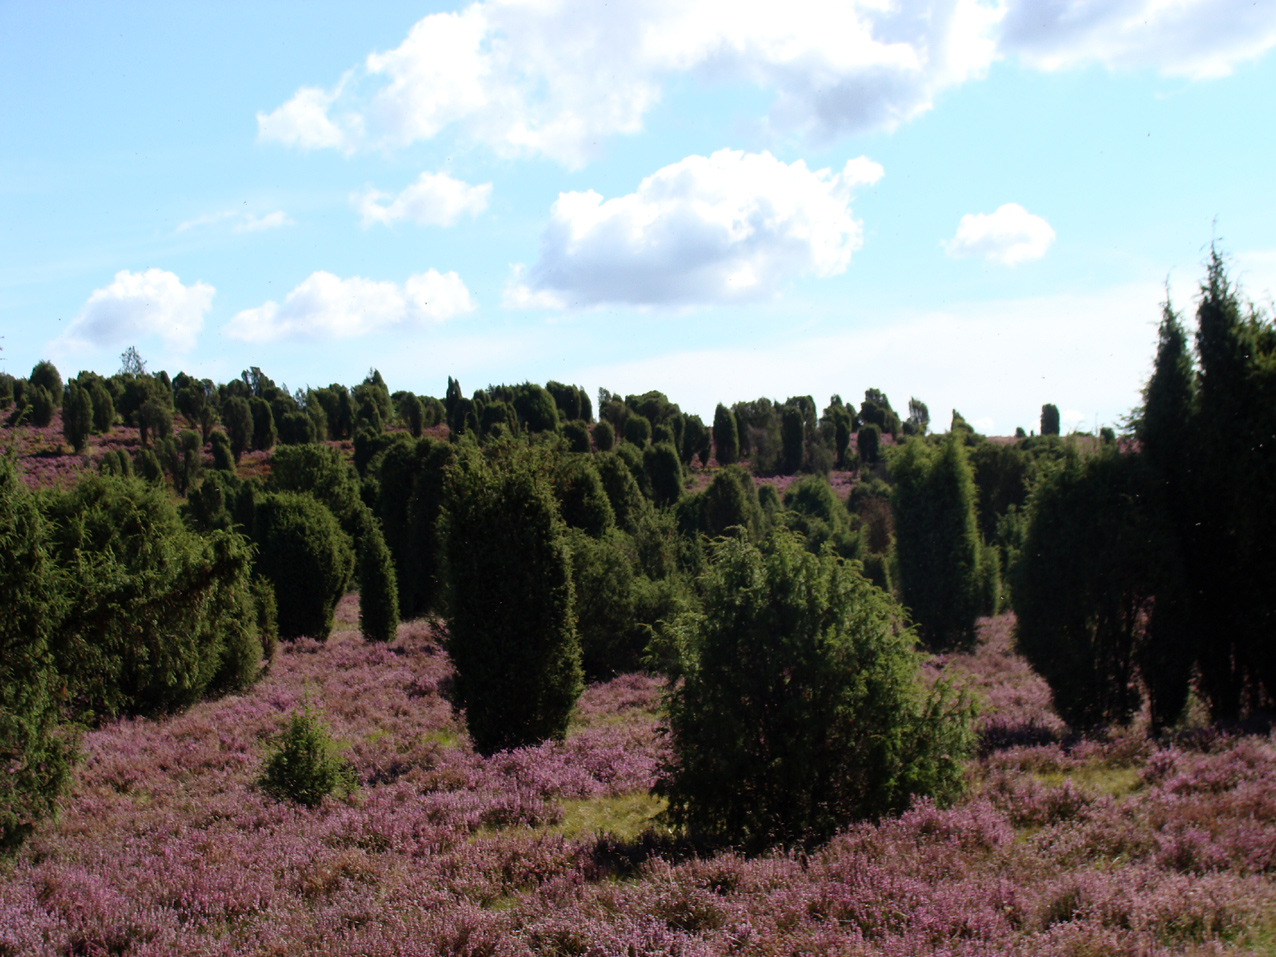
column 800, row 710
column 77, row 416
column 511, row 622
column 726, row 438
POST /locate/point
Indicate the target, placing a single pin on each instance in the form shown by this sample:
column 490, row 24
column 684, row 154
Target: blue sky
column 974, row 203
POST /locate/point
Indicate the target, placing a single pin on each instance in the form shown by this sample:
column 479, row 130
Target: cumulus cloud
column 551, row 78
column 1009, row 236
column 729, row 227
column 435, row 199
column 140, row 304
column 1198, row 39
column 327, row 306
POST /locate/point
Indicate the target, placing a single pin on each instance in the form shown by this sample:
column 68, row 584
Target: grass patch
column 1115, row 782
column 624, row 817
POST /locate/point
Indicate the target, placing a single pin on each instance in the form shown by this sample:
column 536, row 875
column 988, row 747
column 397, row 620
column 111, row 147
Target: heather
column 166, row 843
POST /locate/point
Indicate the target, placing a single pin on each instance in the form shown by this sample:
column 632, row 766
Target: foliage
column 1049, row 419
column 726, row 438
column 237, row 417
column 576, row 434
column 378, row 591
column 511, row 621
column 264, row 434
column 637, row 430
column 815, row 513
column 409, row 500
column 604, row 435
column 305, row 765
column 77, row 416
column 918, row 420
column 730, row 505
column 42, row 406
column 223, row 454
column 868, row 443
column 792, row 438
column 876, row 409
column 664, row 472
column 155, row 616
column 307, row 558
column 103, row 406
column 582, row 499
column 34, row 754
column 45, row 376
column 937, row 539
column 1085, row 583
column 800, row 711
column 623, row 490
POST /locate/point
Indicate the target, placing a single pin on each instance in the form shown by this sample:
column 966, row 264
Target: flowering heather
column 166, row 846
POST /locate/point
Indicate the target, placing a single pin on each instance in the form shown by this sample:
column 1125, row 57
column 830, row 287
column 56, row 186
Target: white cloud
column 327, row 306
column 255, row 224
column 435, row 199
column 1009, row 236
column 1198, row 39
column 730, row 227
column 546, row 77
column 552, row 78
column 137, row 305
column 245, row 222
column 303, row 121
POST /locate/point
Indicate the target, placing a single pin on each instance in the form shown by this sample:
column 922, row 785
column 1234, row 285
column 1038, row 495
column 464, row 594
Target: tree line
column 558, row 546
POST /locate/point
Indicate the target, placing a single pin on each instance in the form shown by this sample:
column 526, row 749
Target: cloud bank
column 553, row 78
column 1010, row 236
column 324, row 306
column 435, row 199
column 137, row 305
column 729, row 227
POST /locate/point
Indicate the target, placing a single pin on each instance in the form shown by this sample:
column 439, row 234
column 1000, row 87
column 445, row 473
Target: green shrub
column 264, row 434
column 77, row 417
column 664, row 472
column 1049, row 419
column 103, row 407
column 237, row 417
column 42, row 406
column 307, row 558
column 155, row 614
column 511, row 620
column 581, row 496
column 577, row 437
column 731, row 502
column 223, row 454
column 604, row 436
column 868, row 443
column 637, row 430
column 726, row 438
column 937, row 539
column 1085, row 582
column 792, row 439
column 800, row 710
column 45, row 376
column 989, row 580
column 36, row 755
column 378, row 591
column 305, row 765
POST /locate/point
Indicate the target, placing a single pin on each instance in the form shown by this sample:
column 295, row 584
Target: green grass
column 624, row 817
column 1116, row 782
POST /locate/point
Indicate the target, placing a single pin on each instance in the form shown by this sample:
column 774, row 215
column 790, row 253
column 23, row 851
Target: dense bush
column 868, row 443
column 305, row 765
column 576, row 435
column 604, row 436
column 77, row 417
column 307, row 558
column 637, row 430
column 157, row 616
column 1049, row 419
column 223, row 454
column 726, row 438
column 378, row 590
column 35, row 755
column 237, row 417
column 103, row 407
column 623, row 490
column 45, row 376
column 409, row 500
column 42, row 406
column 792, row 439
column 581, row 496
column 664, row 472
column 816, row 514
column 511, row 620
column 1085, row 583
column 937, row 539
column 800, row 710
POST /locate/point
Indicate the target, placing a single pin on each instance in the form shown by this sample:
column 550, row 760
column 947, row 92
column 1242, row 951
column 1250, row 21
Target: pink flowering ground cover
column 166, row 845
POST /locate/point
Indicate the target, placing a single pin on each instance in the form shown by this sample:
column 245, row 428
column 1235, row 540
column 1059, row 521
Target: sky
column 977, row 203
